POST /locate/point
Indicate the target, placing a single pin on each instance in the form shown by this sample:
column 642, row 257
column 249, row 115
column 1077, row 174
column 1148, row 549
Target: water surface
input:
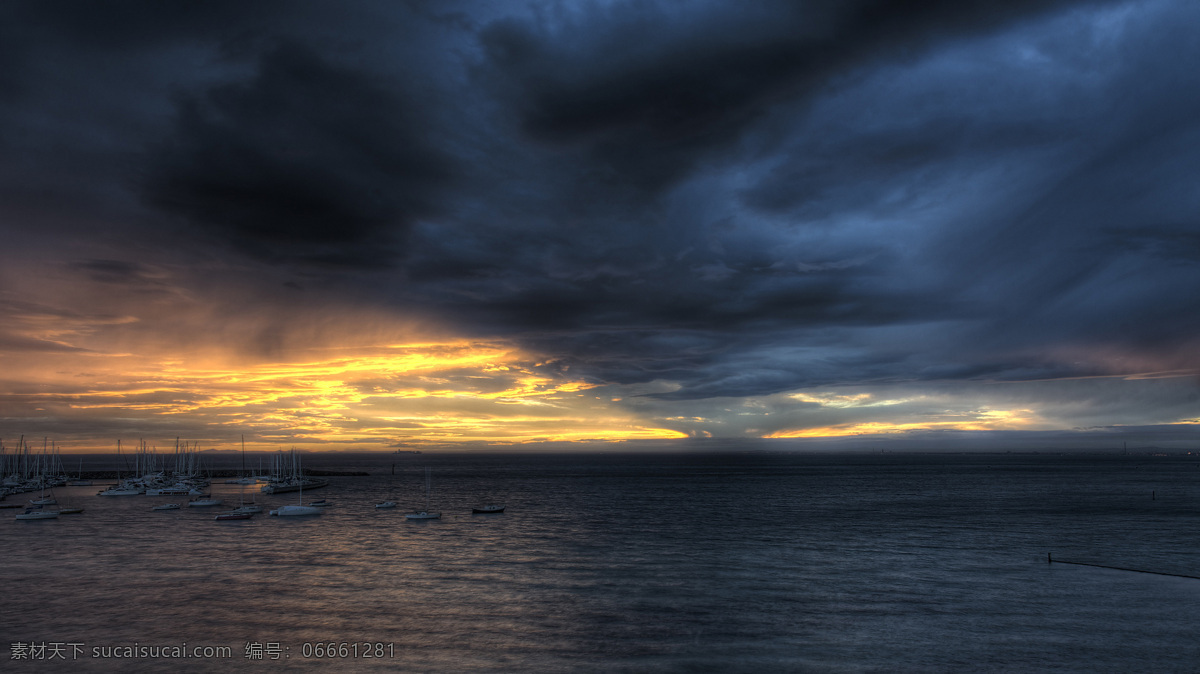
column 646, row 563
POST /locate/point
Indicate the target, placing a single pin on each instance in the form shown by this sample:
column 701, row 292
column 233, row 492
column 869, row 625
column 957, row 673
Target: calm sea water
column 618, row 563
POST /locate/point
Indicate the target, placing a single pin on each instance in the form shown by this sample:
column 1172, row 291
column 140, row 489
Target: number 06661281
column 348, row 649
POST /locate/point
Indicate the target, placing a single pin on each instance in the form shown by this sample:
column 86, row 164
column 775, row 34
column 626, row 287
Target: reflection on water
column 668, row 563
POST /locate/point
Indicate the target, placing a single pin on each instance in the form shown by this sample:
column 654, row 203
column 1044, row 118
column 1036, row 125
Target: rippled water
column 739, row 563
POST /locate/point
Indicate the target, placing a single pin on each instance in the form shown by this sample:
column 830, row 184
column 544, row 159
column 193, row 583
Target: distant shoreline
column 214, row 474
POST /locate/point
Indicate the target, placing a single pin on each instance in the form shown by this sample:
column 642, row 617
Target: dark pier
column 1051, row 560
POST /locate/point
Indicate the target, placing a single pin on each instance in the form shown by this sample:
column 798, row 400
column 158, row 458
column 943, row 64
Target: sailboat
column 424, row 514
column 246, row 508
column 43, row 478
column 43, row 499
column 389, row 502
column 80, row 482
column 299, row 509
column 69, row 508
column 36, row 513
column 245, row 477
column 204, row 501
column 243, row 511
column 289, row 510
column 233, row 515
column 122, row 487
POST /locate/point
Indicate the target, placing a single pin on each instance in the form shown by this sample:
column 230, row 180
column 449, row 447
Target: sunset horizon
column 559, row 336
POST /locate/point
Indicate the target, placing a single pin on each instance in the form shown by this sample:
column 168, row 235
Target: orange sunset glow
column 366, row 398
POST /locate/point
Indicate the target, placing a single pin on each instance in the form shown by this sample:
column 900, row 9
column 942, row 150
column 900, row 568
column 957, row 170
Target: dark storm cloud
column 1089, row 244
column 825, row 173
column 64, row 34
column 136, row 23
column 118, row 272
column 677, row 320
column 10, row 67
column 1104, row 254
column 308, row 161
column 646, row 93
column 624, row 110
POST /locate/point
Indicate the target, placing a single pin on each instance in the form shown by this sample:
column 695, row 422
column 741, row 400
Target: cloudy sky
column 442, row 224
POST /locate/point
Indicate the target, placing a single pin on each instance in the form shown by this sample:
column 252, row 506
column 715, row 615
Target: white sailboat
column 300, row 508
column 287, row 478
column 424, row 514
column 244, row 507
column 36, row 513
column 204, row 501
column 292, row 510
column 122, row 487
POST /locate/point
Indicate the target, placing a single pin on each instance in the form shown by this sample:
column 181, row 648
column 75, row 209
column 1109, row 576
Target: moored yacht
column 296, row 510
column 233, row 516
column 36, row 513
column 287, row 476
column 425, row 514
column 175, row 490
column 121, row 490
column 295, row 484
column 291, row 510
